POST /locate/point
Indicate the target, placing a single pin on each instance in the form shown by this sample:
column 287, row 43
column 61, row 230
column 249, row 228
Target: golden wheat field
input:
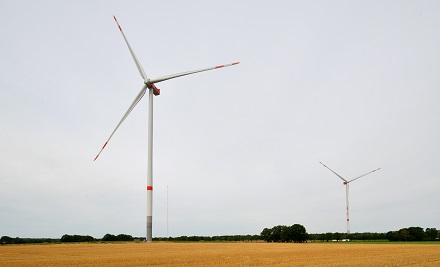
column 220, row 254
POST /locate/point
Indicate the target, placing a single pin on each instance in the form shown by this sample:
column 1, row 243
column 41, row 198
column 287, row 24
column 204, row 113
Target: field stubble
column 220, row 254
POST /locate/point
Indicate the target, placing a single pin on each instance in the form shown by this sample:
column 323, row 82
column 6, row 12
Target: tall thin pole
column 167, row 213
column 346, row 199
column 150, row 169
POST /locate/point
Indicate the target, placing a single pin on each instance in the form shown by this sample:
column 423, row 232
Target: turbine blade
column 164, row 78
column 136, row 61
column 363, row 175
column 135, row 101
column 333, row 172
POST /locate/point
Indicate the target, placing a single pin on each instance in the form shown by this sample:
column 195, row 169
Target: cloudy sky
column 354, row 84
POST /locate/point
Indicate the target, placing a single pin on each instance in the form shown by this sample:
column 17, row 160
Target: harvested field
column 220, row 254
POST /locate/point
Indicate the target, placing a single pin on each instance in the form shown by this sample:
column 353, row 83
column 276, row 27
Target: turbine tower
column 346, row 183
column 153, row 91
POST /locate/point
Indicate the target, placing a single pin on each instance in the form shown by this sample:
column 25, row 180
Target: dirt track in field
column 220, row 254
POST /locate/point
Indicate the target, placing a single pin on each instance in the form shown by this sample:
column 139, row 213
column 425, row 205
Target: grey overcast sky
column 354, row 84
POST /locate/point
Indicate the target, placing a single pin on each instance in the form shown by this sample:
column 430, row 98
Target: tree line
column 65, row 238
column 18, row 240
column 87, row 238
column 123, row 237
column 404, row 234
column 281, row 233
column 222, row 238
column 414, row 234
column 367, row 236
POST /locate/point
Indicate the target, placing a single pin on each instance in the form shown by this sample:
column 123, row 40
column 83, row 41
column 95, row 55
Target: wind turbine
column 346, row 182
column 153, row 90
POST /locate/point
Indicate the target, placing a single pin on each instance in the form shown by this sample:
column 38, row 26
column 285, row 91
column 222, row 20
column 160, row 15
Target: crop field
column 220, row 254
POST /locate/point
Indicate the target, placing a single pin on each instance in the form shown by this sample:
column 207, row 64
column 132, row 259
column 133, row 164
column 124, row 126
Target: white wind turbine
column 153, row 90
column 346, row 182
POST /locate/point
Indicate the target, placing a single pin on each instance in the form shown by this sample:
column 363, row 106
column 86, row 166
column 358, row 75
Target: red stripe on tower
column 149, row 188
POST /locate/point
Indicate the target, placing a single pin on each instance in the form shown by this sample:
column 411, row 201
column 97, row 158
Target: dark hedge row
column 280, row 233
column 18, row 240
column 413, row 234
column 232, row 238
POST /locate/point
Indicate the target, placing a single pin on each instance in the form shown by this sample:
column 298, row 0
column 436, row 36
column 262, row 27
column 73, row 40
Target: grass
column 221, row 254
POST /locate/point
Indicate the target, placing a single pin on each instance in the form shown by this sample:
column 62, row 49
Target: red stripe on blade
column 218, row 67
column 235, row 63
column 104, row 145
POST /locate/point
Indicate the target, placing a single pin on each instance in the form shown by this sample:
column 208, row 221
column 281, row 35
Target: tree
column 6, row 240
column 275, row 235
column 66, row 238
column 408, row 234
column 265, row 234
column 392, row 236
column 328, row 236
column 403, row 234
column 298, row 233
column 286, row 234
column 416, row 234
column 109, row 237
column 124, row 237
column 77, row 238
column 10, row 240
column 281, row 233
column 337, row 236
column 431, row 234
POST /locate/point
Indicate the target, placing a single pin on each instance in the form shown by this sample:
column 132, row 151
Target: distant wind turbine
column 346, row 182
column 153, row 90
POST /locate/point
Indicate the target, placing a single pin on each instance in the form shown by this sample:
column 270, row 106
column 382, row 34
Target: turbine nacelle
column 156, row 91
